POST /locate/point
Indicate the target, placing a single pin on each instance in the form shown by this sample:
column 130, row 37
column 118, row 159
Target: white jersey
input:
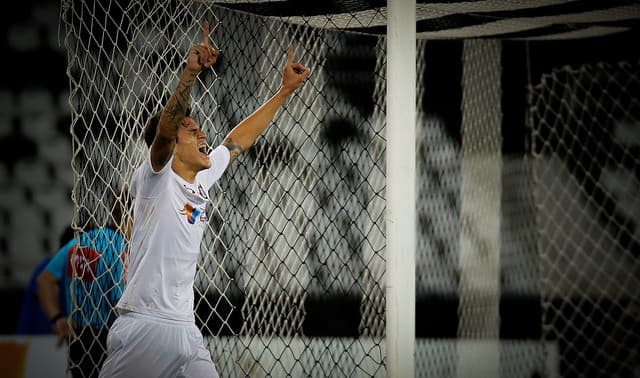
column 169, row 221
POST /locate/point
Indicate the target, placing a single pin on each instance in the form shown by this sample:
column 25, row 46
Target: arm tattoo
column 234, row 149
column 175, row 110
column 179, row 102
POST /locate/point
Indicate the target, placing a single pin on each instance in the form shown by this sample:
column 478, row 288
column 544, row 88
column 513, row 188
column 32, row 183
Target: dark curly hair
column 152, row 125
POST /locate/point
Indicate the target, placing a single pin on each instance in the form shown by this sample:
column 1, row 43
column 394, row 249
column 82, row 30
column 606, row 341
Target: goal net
column 291, row 277
column 584, row 141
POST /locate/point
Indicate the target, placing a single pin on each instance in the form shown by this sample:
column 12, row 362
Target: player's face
column 191, row 147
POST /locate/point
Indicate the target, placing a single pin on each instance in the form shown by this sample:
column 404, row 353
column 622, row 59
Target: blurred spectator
column 32, row 319
column 91, row 269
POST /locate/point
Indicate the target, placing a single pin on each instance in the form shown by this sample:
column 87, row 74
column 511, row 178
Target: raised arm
column 201, row 56
column 241, row 137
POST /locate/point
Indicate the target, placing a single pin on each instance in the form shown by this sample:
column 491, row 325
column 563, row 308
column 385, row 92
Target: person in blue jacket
column 91, row 270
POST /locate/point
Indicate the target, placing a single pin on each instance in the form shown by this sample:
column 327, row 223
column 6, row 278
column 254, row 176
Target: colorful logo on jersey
column 82, row 263
column 191, row 213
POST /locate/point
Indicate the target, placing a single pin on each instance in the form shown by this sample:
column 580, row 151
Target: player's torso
column 94, row 269
column 180, row 213
column 169, row 221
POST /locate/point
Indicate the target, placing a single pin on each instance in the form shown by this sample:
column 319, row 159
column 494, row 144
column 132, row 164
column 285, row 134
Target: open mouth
column 204, row 149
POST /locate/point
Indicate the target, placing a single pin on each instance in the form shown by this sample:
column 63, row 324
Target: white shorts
column 140, row 345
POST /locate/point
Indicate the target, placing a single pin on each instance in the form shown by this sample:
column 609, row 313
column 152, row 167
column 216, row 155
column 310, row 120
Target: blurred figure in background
column 32, row 319
column 91, row 269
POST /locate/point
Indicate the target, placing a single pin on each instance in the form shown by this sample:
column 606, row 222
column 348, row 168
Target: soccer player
column 155, row 334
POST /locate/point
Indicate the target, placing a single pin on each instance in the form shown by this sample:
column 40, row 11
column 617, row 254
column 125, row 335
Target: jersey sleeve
column 219, row 158
column 144, row 181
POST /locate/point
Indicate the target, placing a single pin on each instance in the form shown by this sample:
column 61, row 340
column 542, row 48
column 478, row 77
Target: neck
column 181, row 170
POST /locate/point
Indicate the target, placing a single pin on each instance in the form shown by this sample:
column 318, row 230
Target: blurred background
column 35, row 145
column 584, row 224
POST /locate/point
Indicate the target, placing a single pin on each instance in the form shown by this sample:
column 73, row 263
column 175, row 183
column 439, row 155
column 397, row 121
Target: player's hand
column 293, row 74
column 62, row 330
column 202, row 56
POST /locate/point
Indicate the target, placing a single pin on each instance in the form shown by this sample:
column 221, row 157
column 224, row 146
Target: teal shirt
column 93, row 274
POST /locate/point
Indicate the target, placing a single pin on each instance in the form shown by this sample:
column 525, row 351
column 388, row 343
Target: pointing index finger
column 205, row 33
column 290, row 55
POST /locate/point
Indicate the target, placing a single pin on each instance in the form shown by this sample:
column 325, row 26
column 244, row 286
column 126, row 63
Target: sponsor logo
column 82, row 263
column 191, row 213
